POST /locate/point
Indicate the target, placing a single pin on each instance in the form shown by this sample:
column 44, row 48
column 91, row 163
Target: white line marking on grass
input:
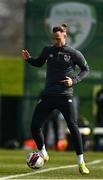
column 47, row 170
column 95, row 162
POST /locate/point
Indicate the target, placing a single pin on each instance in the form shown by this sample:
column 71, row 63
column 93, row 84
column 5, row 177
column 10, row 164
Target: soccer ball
column 35, row 160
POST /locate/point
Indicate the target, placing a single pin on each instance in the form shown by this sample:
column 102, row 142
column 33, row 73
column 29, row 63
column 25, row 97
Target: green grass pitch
column 62, row 165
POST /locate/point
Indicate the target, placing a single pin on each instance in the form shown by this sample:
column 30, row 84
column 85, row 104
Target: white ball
column 35, row 160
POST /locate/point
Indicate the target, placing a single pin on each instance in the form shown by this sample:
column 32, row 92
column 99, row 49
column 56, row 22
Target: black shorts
column 46, row 105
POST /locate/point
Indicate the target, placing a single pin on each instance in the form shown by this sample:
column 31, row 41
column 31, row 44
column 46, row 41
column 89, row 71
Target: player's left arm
column 81, row 62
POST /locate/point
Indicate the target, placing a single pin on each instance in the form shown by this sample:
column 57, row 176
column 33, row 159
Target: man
column 99, row 102
column 58, row 92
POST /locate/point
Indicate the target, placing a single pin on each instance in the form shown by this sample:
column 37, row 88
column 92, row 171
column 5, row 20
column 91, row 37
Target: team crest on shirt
column 67, row 57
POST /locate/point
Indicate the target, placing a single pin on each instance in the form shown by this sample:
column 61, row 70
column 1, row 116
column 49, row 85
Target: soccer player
column 61, row 61
column 99, row 102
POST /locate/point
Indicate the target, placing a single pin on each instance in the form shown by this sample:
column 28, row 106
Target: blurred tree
column 11, row 26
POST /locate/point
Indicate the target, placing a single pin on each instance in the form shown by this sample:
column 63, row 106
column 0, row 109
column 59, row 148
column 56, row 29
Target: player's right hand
column 25, row 54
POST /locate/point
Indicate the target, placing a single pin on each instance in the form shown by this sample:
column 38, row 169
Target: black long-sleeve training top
column 61, row 62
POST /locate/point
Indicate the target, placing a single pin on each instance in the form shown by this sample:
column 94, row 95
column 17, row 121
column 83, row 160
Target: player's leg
column 68, row 111
column 40, row 114
column 55, row 124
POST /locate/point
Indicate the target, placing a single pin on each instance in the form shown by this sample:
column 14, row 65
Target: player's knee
column 34, row 130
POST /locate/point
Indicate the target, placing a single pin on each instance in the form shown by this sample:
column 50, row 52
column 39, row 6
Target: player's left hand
column 68, row 81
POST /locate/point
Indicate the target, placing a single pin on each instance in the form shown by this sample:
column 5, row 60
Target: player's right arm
column 35, row 61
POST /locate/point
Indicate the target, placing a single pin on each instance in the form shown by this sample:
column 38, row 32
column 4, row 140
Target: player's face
column 59, row 38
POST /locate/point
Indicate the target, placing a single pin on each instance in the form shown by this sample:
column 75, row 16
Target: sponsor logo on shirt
column 39, row 101
column 51, row 55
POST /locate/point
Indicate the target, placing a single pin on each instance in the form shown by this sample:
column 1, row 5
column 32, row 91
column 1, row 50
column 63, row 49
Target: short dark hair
column 61, row 28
